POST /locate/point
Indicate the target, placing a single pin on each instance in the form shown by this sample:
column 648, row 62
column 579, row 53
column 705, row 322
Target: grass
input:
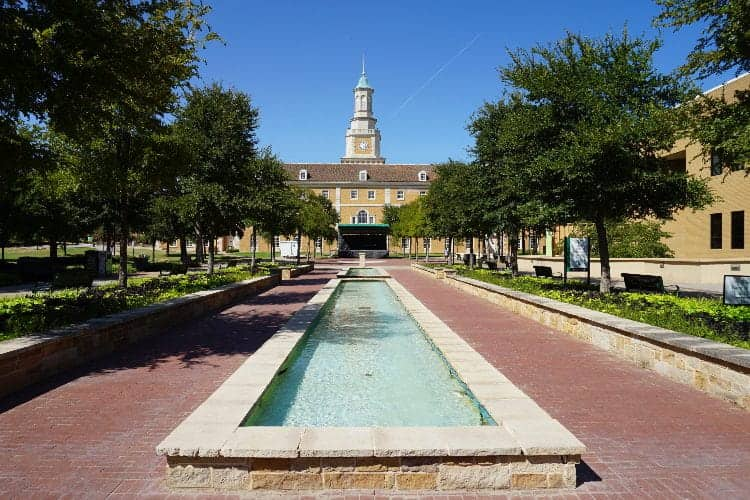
column 702, row 317
column 39, row 312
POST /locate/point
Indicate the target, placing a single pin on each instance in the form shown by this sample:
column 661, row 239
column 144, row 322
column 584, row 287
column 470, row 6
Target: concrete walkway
column 648, row 437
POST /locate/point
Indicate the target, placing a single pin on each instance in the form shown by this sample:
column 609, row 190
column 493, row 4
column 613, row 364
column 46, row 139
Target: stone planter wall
column 717, row 369
column 30, row 359
column 288, row 273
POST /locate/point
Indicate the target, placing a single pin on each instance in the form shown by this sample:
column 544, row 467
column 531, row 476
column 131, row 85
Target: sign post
column 736, row 290
column 577, row 257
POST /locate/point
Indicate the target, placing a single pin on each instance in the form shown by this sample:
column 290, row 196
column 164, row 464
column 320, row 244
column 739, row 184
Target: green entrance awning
column 363, row 226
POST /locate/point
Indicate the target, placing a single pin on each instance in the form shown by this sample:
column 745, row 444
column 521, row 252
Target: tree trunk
column 253, row 246
column 471, row 252
column 184, row 257
column 2, row 253
column 52, row 250
column 601, row 233
column 426, row 251
column 273, row 249
column 122, row 276
column 167, row 248
column 153, row 252
column 453, row 251
column 65, row 248
column 211, row 255
column 513, row 257
column 299, row 245
column 198, row 247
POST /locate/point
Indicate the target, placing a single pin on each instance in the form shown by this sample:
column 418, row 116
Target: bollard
column 362, row 259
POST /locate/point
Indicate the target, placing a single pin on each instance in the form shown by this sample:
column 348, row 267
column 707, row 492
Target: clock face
column 363, row 145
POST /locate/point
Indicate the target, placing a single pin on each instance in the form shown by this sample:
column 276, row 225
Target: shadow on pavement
column 239, row 329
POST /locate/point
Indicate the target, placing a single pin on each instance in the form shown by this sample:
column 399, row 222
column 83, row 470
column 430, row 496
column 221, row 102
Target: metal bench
column 543, row 271
column 646, row 283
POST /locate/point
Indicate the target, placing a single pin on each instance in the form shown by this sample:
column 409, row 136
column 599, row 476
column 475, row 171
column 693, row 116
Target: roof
column 349, row 172
column 363, row 83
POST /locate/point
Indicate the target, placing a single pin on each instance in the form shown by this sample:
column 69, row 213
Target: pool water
column 362, row 271
column 365, row 362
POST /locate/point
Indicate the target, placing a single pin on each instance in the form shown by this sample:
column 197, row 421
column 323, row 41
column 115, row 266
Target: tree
column 721, row 124
column 269, row 200
column 104, row 74
column 317, row 218
column 217, row 127
column 605, row 114
column 455, row 204
column 407, row 221
column 508, row 137
column 629, row 239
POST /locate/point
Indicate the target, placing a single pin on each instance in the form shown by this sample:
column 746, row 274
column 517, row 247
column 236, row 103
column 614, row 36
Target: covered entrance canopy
column 369, row 238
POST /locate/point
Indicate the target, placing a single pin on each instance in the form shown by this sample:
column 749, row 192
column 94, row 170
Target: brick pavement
column 648, row 437
column 92, row 433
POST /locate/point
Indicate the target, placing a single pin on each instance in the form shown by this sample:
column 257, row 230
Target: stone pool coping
column 526, row 441
column 382, row 274
column 712, row 367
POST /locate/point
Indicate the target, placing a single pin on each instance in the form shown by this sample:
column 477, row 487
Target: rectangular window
column 399, row 195
column 372, row 219
column 353, row 194
column 423, row 193
column 354, row 219
column 738, row 229
column 716, row 164
column 324, row 193
column 715, row 231
column 371, row 195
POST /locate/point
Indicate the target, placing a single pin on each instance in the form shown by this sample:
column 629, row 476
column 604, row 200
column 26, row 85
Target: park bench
column 645, row 283
column 543, row 271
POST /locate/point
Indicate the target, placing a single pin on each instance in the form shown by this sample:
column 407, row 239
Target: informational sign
column 737, row 290
column 577, row 254
column 288, row 249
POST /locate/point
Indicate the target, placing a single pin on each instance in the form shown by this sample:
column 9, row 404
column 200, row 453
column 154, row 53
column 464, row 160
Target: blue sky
column 299, row 61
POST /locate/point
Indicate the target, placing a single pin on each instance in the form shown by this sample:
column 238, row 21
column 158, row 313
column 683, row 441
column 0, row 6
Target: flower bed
column 702, row 317
column 35, row 313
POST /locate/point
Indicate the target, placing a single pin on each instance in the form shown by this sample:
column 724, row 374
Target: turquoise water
column 362, row 271
column 365, row 362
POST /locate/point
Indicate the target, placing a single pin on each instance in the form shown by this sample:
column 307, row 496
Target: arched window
column 303, row 175
column 422, row 176
column 362, row 103
column 363, row 175
column 362, row 217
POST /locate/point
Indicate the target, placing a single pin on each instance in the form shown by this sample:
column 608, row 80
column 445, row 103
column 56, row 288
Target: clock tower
column 362, row 138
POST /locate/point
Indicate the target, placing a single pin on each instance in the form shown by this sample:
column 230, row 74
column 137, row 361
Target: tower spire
column 363, row 63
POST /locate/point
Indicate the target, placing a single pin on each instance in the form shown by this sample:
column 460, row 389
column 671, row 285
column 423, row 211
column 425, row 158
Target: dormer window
column 363, row 175
column 422, row 176
column 303, row 175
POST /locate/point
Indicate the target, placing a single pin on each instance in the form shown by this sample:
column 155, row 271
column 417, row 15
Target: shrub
column 73, row 278
column 703, row 317
column 39, row 312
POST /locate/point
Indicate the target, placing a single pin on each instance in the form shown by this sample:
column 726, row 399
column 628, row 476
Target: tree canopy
column 720, row 123
column 582, row 133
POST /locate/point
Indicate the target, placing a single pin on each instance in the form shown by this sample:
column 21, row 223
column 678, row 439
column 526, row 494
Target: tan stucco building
column 360, row 185
column 719, row 231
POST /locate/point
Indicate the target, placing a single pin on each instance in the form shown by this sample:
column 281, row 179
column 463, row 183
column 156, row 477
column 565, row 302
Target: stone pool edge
column 526, row 450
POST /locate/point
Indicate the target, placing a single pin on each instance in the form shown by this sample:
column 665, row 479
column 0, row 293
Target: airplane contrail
column 434, row 75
